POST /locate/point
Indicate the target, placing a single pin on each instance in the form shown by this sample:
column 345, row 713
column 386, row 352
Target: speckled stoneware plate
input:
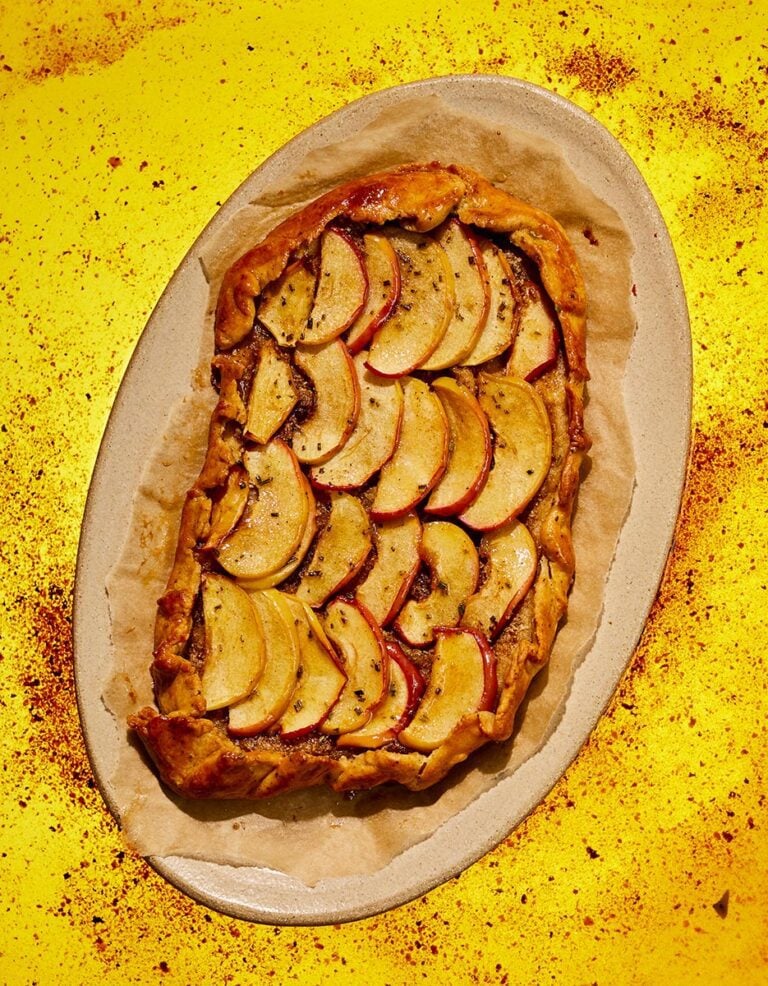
column 657, row 396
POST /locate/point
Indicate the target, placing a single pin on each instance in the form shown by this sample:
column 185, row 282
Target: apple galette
column 374, row 560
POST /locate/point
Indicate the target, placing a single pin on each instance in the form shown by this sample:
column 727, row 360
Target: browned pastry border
column 192, row 755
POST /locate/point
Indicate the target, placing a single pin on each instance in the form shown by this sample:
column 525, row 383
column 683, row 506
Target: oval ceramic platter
column 657, row 396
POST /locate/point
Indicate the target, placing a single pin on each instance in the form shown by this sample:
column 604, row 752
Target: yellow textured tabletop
column 126, row 125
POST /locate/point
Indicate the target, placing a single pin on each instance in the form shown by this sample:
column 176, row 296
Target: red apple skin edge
column 361, row 261
column 490, row 689
column 383, row 515
column 298, row 734
column 391, row 302
column 368, row 616
column 352, row 376
column 345, row 581
column 542, row 368
column 363, row 341
column 460, row 505
column 414, row 680
column 411, row 643
column 507, row 614
column 402, row 595
column 389, row 376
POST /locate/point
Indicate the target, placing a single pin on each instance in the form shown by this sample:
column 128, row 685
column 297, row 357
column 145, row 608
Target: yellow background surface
column 125, row 124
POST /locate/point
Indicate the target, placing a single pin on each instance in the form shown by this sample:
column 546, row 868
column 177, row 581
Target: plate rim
column 338, row 900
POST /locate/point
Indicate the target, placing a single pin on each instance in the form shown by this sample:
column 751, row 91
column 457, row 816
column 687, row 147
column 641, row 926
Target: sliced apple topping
column 510, row 560
column 374, row 437
column 469, row 456
column 319, row 677
column 406, row 686
column 275, row 519
column 337, row 401
column 462, row 683
column 420, row 456
column 342, row 288
column 361, row 649
column 397, row 561
column 522, row 451
column 228, row 507
column 419, row 321
column 340, row 551
column 472, row 292
column 449, row 553
column 297, row 557
column 234, row 643
column 536, row 345
column 273, row 395
column 501, row 324
column 286, row 303
column 383, row 270
column 273, row 690
column 370, row 322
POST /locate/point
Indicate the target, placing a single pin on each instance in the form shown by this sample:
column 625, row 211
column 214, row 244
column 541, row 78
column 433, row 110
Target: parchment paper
column 315, row 834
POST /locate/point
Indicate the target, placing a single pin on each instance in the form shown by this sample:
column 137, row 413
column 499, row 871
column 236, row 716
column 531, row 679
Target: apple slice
column 273, row 690
column 282, row 573
column 536, row 345
column 383, row 269
column 416, row 464
column 472, row 291
column 374, row 437
column 451, row 556
column 286, row 303
column 235, row 648
column 319, row 677
column 340, row 552
column 337, row 401
column 510, row 567
column 228, row 508
column 342, row 287
column 417, row 325
column 363, row 656
column 499, row 329
column 275, row 519
column 469, row 458
column 406, row 686
column 462, row 682
column 397, row 562
column 273, row 395
column 522, row 451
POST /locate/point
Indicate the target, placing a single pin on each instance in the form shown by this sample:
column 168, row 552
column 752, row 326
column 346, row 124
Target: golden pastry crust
column 192, row 750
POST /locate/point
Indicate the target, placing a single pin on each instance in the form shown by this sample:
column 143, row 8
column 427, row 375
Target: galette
column 376, row 556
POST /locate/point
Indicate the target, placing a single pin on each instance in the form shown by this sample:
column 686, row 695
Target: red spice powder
column 48, row 681
column 596, row 71
column 67, row 47
column 704, row 109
